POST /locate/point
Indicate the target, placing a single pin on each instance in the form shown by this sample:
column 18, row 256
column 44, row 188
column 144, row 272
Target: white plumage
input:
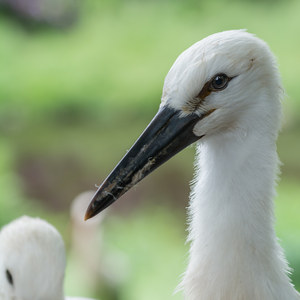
column 32, row 261
column 224, row 92
column 234, row 252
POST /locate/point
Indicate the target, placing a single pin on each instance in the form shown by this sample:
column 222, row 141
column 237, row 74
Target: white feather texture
column 32, row 252
column 234, row 252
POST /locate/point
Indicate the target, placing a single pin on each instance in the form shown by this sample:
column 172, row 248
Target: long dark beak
column 167, row 134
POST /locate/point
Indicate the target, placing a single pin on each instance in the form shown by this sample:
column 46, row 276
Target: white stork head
column 232, row 74
column 226, row 81
column 32, row 261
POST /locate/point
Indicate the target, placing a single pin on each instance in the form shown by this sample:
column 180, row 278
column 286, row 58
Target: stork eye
column 9, row 277
column 219, row 82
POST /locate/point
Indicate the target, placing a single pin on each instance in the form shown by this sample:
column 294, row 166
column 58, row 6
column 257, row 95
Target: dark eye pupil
column 220, row 82
column 9, row 277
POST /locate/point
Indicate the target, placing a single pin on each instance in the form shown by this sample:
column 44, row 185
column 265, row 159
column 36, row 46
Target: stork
column 224, row 92
column 32, row 261
column 101, row 271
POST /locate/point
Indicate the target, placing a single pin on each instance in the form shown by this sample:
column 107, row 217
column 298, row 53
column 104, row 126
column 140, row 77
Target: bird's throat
column 234, row 250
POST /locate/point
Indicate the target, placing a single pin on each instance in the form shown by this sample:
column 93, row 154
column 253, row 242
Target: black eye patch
column 9, row 277
column 217, row 83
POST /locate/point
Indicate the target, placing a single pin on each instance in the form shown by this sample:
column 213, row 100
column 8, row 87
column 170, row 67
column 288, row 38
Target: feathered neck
column 234, row 253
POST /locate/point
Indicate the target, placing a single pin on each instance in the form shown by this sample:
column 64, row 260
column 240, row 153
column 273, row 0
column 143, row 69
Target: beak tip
column 91, row 210
column 98, row 204
column 88, row 214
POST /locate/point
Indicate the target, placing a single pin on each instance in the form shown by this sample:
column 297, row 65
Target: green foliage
column 118, row 54
column 10, row 201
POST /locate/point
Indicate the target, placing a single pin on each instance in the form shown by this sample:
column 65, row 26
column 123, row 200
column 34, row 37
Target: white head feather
column 32, row 261
column 32, row 254
column 241, row 56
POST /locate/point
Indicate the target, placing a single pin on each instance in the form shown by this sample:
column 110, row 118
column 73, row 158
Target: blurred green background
column 79, row 81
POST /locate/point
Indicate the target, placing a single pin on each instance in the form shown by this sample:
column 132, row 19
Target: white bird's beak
column 167, row 134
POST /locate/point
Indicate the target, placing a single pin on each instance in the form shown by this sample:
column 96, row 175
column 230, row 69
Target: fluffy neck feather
column 234, row 253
